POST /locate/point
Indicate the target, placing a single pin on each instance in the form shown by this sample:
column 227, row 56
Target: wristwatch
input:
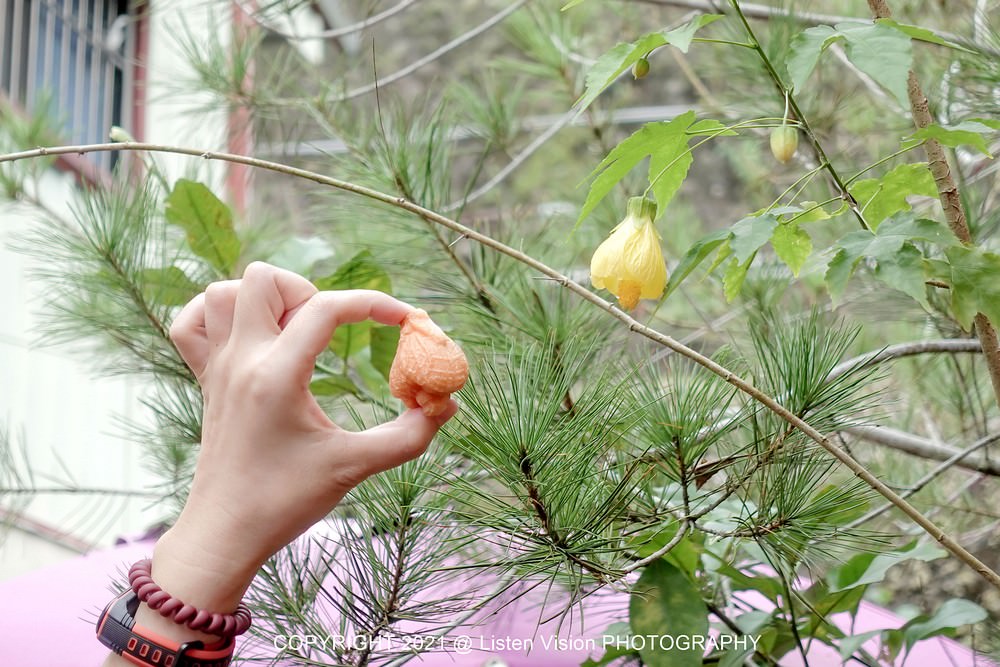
column 117, row 630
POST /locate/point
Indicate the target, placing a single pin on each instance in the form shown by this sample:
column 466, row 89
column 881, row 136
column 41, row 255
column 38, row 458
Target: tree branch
column 951, row 201
column 955, row 460
column 925, row 448
column 900, row 350
column 630, row 323
column 766, row 12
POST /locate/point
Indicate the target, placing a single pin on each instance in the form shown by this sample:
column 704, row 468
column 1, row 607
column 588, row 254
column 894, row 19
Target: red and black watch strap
column 117, row 630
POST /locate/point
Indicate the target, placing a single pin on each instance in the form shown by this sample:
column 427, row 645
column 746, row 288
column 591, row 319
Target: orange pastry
column 428, row 366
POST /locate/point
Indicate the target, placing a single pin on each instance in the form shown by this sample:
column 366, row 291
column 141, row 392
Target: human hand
column 271, row 462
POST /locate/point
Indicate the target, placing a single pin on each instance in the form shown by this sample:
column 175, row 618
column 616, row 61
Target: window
column 78, row 54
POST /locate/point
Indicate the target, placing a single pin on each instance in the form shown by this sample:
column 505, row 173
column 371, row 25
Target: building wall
column 50, row 399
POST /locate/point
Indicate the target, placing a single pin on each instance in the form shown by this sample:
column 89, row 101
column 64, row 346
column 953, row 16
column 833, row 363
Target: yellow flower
column 629, row 263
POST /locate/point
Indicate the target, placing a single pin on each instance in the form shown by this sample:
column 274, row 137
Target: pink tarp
column 47, row 618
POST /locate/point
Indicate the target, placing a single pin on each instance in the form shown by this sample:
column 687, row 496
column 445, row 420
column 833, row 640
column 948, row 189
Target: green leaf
column 879, row 50
column 975, row 284
column 952, row 614
column 359, row 272
column 300, row 253
column 809, row 211
column 804, row 52
column 384, row 341
column 792, row 245
column 665, row 141
column 870, row 568
column 880, row 198
column 618, row 647
column 905, row 271
column 695, row 255
column 208, row 223
column 750, row 233
column 333, row 385
column 710, row 126
column 967, row 133
column 665, row 602
column 883, row 53
column 922, row 34
column 850, row 645
column 350, row 339
column 610, row 65
column 168, row 286
column 732, row 280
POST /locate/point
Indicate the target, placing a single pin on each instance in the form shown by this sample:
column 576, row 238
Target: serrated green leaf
column 922, row 34
column 988, row 122
column 804, row 52
column 967, row 133
column 975, row 284
column 610, row 65
column 168, row 286
column 792, row 245
column 333, row 385
column 750, row 233
column 809, row 211
column 207, row 222
column 732, row 280
column 681, row 37
column 883, row 53
column 905, row 271
column 952, row 614
column 668, row 167
column 695, row 255
column 665, row 602
column 870, row 568
column 665, row 140
column 384, row 341
column 880, row 198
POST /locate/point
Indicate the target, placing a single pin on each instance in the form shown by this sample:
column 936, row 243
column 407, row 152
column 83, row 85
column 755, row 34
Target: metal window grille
column 76, row 54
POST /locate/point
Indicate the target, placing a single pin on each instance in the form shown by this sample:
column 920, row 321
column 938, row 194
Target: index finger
column 309, row 331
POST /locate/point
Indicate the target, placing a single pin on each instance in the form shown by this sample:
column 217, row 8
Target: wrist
column 206, row 571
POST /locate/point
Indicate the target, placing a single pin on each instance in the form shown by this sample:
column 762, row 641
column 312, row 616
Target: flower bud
column 784, row 142
column 640, row 68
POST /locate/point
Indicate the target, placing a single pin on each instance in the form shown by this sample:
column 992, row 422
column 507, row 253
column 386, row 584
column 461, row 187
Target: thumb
column 394, row 443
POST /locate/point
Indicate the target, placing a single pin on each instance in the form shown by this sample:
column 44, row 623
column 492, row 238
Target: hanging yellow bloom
column 629, row 263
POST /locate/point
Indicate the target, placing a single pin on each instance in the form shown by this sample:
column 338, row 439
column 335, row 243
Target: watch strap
column 117, row 629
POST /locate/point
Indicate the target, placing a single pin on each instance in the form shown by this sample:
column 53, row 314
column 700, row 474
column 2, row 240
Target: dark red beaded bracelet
column 221, row 625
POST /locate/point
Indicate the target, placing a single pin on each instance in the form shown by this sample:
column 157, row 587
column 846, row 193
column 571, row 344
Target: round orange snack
column 428, row 366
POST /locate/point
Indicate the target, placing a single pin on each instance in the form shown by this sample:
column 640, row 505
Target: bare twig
column 464, row 38
column 900, row 350
column 630, row 323
column 922, row 447
column 951, row 201
column 955, row 460
column 374, row 19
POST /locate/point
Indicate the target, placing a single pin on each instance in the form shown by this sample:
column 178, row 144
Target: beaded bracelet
column 221, row 625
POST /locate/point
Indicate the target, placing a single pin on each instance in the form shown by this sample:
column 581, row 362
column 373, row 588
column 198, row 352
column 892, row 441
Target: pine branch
column 951, row 200
column 627, row 320
column 374, row 19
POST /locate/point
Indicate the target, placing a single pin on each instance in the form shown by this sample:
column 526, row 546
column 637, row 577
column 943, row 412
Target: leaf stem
column 821, row 156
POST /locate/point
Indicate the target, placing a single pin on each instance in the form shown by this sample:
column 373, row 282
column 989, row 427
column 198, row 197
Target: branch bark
column 900, row 350
column 630, row 323
column 951, row 201
column 925, row 448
